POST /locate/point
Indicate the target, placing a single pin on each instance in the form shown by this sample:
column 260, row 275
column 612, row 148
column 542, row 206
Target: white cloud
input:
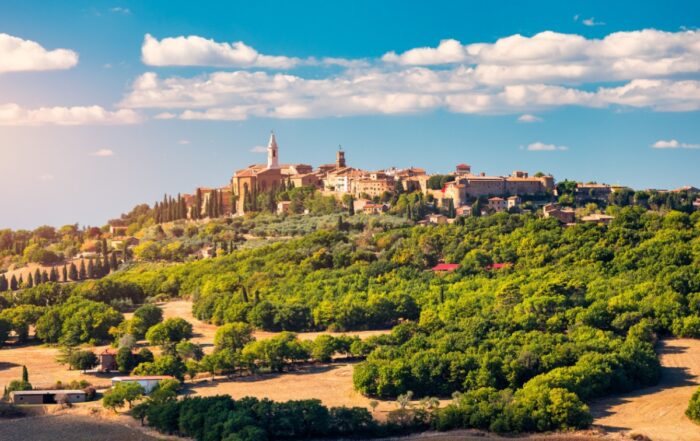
column 12, row 114
column 674, row 144
column 120, row 10
column 542, row 147
column 515, row 74
column 103, row 153
column 564, row 58
column 197, row 51
column 259, row 149
column 18, row 55
column 529, row 118
column 592, row 22
column 184, row 142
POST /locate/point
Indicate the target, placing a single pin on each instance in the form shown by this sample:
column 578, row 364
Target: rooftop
column 143, row 377
column 47, row 391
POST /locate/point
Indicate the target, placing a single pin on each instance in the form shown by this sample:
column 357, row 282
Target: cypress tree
column 97, row 268
column 30, row 281
column 72, row 272
column 20, row 281
column 65, row 273
column 351, row 206
column 53, row 275
column 113, row 264
column 91, row 269
column 83, row 273
column 105, row 249
column 25, row 374
column 3, row 283
column 44, row 276
column 13, row 283
column 37, row 277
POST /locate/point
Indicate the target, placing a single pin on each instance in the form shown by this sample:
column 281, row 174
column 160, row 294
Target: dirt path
column 658, row 412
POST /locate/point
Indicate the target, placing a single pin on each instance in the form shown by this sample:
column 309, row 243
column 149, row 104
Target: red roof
column 499, row 265
column 446, row 267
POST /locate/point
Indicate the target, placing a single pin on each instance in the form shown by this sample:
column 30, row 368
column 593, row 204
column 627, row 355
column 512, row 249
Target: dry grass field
column 658, row 412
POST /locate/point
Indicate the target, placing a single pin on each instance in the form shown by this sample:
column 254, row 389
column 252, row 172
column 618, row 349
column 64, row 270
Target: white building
column 148, row 382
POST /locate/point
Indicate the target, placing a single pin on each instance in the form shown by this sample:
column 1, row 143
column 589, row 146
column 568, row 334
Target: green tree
column 82, row 360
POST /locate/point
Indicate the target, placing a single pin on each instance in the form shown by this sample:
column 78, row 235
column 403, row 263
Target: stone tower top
column 272, row 152
column 340, row 158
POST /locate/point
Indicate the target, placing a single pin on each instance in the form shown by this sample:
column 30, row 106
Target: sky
column 105, row 105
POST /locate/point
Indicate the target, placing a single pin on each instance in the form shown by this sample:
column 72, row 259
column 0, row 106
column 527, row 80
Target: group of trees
column 572, row 317
column 250, row 419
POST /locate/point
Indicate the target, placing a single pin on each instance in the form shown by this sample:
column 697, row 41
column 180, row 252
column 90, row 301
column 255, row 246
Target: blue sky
column 104, row 105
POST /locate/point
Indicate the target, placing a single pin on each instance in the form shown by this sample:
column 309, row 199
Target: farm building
column 52, row 396
column 107, row 360
column 148, row 382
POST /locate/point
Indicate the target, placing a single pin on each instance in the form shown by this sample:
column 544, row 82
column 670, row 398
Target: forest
column 571, row 314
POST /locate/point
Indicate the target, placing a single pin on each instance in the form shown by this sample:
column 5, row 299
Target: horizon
column 107, row 105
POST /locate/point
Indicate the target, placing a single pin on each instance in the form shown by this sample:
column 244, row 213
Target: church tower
column 272, row 152
column 340, row 158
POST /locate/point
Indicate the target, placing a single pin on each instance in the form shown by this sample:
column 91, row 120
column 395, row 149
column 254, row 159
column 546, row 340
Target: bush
column 693, row 410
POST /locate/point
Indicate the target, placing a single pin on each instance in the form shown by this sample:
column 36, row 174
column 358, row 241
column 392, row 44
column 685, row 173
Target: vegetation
column 693, row 410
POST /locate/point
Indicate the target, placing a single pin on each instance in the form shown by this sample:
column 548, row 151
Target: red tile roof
column 445, row 267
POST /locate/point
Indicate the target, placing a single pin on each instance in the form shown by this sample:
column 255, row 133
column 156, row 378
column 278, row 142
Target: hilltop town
column 457, row 193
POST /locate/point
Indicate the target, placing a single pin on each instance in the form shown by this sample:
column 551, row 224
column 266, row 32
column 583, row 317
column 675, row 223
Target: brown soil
column 658, row 412
column 69, row 427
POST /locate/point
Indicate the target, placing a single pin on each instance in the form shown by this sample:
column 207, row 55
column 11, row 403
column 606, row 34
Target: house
column 464, row 210
column 497, row 204
column 148, row 382
column 49, row 396
column 283, row 207
column 118, row 230
column 437, row 219
column 513, row 201
column 445, row 267
column 370, row 208
column 597, row 218
column 107, row 360
column 563, row 215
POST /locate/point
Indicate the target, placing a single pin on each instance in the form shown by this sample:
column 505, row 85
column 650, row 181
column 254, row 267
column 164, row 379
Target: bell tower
column 340, row 158
column 272, row 152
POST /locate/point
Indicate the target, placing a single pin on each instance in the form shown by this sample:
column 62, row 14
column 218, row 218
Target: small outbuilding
column 148, row 382
column 50, row 396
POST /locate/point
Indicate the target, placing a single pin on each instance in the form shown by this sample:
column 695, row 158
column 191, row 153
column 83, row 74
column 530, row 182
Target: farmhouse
column 107, row 360
column 48, row 396
column 148, row 382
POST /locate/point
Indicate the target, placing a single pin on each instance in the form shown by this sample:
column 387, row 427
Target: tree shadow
column 670, row 378
column 7, row 365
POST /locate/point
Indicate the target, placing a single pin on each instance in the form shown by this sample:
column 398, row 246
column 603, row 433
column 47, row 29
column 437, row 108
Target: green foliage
column 123, row 392
column 693, row 410
column 169, row 333
column 82, row 360
column 164, row 365
column 222, row 418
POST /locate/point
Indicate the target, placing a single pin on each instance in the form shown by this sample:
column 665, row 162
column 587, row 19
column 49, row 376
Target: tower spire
column 272, row 152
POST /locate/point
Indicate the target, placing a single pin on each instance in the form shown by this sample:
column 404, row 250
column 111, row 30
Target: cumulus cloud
column 17, row 54
column 242, row 94
column 674, row 144
column 14, row 115
column 516, row 74
column 542, row 147
column 562, row 58
column 103, row 153
column 529, row 118
column 198, row 51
